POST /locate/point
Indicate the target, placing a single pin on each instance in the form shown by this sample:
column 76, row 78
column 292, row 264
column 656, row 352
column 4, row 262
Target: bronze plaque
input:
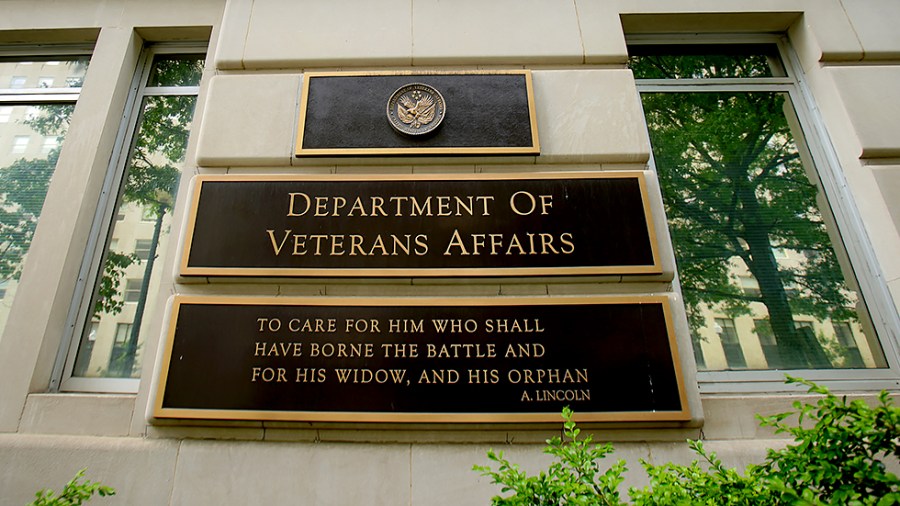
column 416, row 109
column 421, row 360
column 401, row 226
column 453, row 113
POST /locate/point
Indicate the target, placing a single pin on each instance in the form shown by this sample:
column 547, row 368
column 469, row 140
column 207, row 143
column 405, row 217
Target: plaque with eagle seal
column 416, row 109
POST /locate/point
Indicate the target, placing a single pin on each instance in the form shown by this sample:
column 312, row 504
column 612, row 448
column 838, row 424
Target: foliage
column 837, row 458
column 839, row 451
column 74, row 493
column 574, row 478
column 108, row 297
column 711, row 484
column 24, row 185
column 735, row 190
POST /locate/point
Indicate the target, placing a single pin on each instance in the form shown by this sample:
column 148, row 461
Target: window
column 742, row 195
column 125, row 278
column 142, row 248
column 848, row 346
column 699, row 356
column 27, row 119
column 118, row 355
column 731, row 344
column 132, row 291
column 20, row 144
column 766, row 337
column 50, row 143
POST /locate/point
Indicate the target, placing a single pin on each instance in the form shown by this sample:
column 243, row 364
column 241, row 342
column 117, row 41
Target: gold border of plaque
column 159, row 412
column 534, row 149
column 187, row 271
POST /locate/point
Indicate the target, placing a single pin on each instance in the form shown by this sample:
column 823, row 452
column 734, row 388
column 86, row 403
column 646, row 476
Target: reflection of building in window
column 750, row 286
column 20, row 144
column 698, row 350
column 142, row 248
column 847, row 340
column 88, row 348
column 50, row 143
column 730, row 343
column 5, row 113
column 45, row 82
column 17, row 82
column 766, row 337
column 832, row 344
column 132, row 290
column 117, row 362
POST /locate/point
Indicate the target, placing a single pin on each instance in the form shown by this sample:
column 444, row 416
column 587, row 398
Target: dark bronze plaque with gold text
column 413, row 113
column 421, row 360
column 397, row 226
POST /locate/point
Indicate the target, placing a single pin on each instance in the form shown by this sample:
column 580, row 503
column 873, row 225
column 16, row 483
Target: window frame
column 847, row 220
column 62, row 379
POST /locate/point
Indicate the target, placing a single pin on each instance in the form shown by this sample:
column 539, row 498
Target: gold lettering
column 566, row 239
column 277, row 247
column 292, row 202
column 299, row 245
column 456, row 241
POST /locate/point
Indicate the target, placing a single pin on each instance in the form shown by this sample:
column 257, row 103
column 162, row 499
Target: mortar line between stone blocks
column 175, row 471
column 412, row 34
column 410, row 474
column 580, row 32
column 247, row 36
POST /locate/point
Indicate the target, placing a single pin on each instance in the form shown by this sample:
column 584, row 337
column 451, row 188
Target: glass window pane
column 755, row 257
column 691, row 61
column 36, row 73
column 136, row 244
column 176, row 70
column 25, row 172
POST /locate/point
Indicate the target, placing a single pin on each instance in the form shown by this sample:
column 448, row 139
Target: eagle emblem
column 416, row 109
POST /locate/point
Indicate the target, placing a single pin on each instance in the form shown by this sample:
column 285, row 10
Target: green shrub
column 73, row 494
column 574, row 478
column 836, row 459
column 709, row 483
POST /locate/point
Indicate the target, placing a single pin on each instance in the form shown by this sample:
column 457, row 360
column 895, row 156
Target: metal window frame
column 91, row 268
column 841, row 205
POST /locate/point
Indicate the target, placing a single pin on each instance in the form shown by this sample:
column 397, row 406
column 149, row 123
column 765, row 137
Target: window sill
column 78, row 414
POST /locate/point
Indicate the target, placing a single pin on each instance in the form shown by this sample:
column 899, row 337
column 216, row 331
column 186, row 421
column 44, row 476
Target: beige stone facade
column 589, row 117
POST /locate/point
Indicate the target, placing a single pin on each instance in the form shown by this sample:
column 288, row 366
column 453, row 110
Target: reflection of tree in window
column 23, row 187
column 738, row 198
